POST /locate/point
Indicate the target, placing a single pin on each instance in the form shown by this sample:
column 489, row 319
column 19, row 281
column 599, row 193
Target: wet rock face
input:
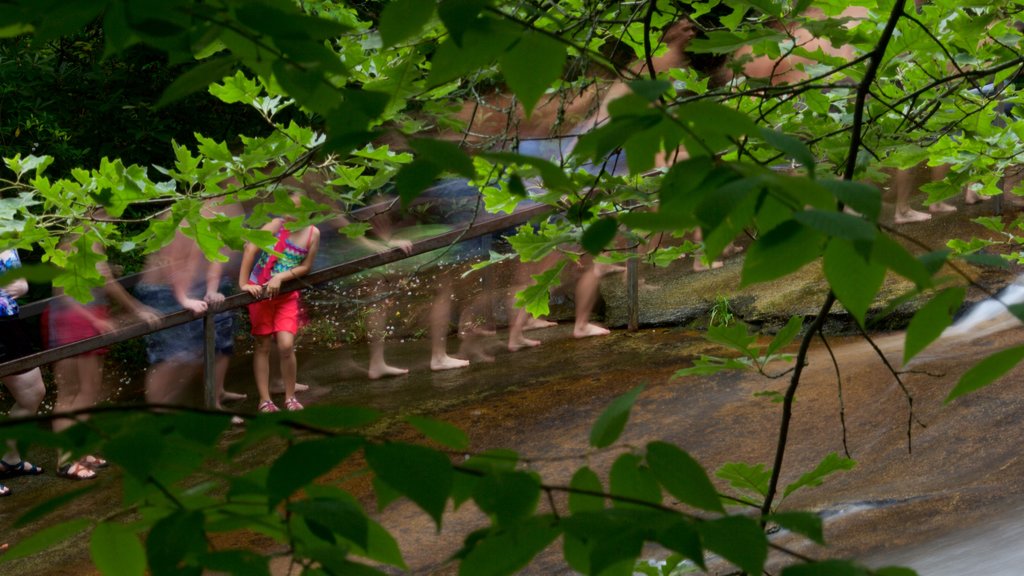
column 678, row 296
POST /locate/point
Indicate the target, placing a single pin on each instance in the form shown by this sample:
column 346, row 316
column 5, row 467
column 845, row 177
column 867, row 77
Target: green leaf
column 708, row 365
column 414, row 178
column 629, row 478
column 805, row 523
column 863, row 198
column 446, row 155
column 785, row 336
column 650, row 90
column 508, row 496
column 531, row 65
column 44, row 539
column 736, row 336
column 828, row 465
column 403, row 19
column 339, row 516
column 986, row 372
column 237, row 563
column 304, row 462
column 173, row 539
column 782, row 251
column 737, row 539
column 683, row 538
column 460, row 15
column 505, row 552
column 197, row 78
column 117, row 550
column 854, row 280
column 441, row 432
column 599, row 234
column 790, row 146
column 534, row 298
column 930, row 320
column 837, row 224
column 553, row 176
column 749, row 479
column 587, row 480
column 423, row 475
column 682, row 476
column 612, row 421
column 826, row 568
column 895, row 257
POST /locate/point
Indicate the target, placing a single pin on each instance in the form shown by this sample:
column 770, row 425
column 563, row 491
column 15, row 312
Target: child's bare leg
column 376, row 332
column 516, row 325
column 167, row 381
column 28, row 391
column 286, row 355
column 440, row 314
column 261, row 366
column 903, row 183
column 586, row 298
column 699, row 262
column 940, row 173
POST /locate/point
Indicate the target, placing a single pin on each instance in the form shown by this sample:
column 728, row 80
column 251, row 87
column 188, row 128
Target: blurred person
column 79, row 379
column 26, row 388
column 178, row 277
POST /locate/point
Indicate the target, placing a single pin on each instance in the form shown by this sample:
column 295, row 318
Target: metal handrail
column 468, row 231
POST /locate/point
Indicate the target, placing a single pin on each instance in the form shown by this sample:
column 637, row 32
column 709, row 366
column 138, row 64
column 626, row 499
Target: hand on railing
column 254, row 290
column 197, row 307
column 148, row 315
column 214, row 300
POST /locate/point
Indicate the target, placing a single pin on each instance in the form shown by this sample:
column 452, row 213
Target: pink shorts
column 280, row 314
column 65, row 325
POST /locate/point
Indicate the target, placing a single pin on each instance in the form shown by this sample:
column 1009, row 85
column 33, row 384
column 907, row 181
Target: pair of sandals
column 20, row 468
column 82, row 469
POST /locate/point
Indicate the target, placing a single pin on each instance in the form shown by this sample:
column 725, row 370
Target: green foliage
column 308, row 90
column 612, row 421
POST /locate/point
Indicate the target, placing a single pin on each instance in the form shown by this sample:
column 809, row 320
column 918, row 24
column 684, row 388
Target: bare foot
column 940, row 207
column 522, row 342
column 385, row 371
column 476, row 331
column 538, row 323
column 909, row 216
column 447, row 363
column 590, row 330
column 226, row 396
column 603, row 270
column 972, row 197
column 700, row 266
column 731, row 250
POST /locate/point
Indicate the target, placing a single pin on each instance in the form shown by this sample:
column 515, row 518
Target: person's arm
column 182, row 251
column 213, row 296
column 249, row 260
column 16, row 289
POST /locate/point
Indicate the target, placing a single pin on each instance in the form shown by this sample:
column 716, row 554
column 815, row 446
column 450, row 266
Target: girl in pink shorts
column 274, row 315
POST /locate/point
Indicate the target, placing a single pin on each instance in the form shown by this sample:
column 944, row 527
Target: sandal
column 93, row 462
column 292, row 405
column 21, row 468
column 268, row 406
column 4, row 491
column 76, row 471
